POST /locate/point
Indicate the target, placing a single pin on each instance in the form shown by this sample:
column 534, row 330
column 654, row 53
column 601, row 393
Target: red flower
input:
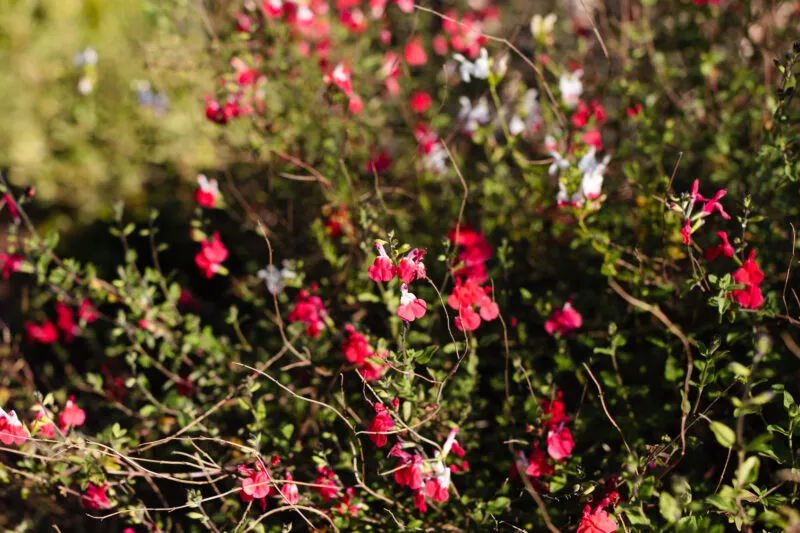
column 559, row 443
column 379, row 162
column 686, row 231
column 420, row 102
column 537, row 463
column 554, row 411
column 325, row 484
column 310, row 310
column 9, row 263
column 289, row 491
column 12, row 431
column 87, row 312
column 211, row 256
column 596, row 521
column 207, row 192
column 410, row 307
column 379, row 425
column 474, row 255
column 713, row 204
column 598, row 111
column 95, row 497
column 411, row 266
column 593, row 138
column 563, row 320
column 721, row 249
column 411, row 474
column 71, row 415
column 47, row 429
column 355, row 105
column 419, row 501
column 635, row 110
column 372, row 370
column 382, row 269
column 581, row 115
column 66, row 322
column 273, row 8
column 45, row 334
column 356, row 349
column 12, row 207
column 415, row 53
column 750, row 276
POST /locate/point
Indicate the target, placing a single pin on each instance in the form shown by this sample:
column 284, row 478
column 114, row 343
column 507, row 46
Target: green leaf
column 747, row 472
column 725, row 435
column 425, row 356
column 668, row 506
column 287, row 430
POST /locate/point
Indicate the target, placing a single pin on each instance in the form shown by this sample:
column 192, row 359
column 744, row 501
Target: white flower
column 571, row 87
column 592, row 181
column 531, row 109
column 90, row 56
column 472, row 117
column 542, row 27
column 207, row 185
column 436, row 159
column 559, row 163
column 516, row 125
column 276, row 279
column 479, row 69
column 85, row 85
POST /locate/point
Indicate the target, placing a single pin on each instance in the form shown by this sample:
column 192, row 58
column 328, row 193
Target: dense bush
column 445, row 268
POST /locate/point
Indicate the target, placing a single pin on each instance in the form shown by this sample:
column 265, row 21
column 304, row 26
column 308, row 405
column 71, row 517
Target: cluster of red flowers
column 259, row 484
column 467, row 296
column 247, row 96
column 559, row 441
column 475, row 251
column 711, row 205
column 465, row 34
column 310, row 310
column 427, row 479
column 563, row 320
column 211, row 255
column 9, row 263
column 407, row 269
column 325, row 485
column 338, row 223
column 750, row 276
column 13, row 430
column 358, row 351
column 47, row 332
column 583, row 114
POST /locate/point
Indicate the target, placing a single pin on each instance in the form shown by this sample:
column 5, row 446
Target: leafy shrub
column 443, row 281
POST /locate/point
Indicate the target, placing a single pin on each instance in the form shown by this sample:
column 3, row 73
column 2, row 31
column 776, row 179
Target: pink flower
column 411, row 266
column 211, row 256
column 437, row 490
column 410, row 307
column 9, row 263
column 71, row 415
column 12, row 431
column 559, row 443
column 45, row 334
column 372, row 368
column 257, row 484
column 467, row 319
column 563, row 320
column 634, row 111
column 414, row 52
column 581, row 115
column 379, row 425
column 406, row 6
column 382, row 269
column 355, row 105
column 596, row 521
column 95, row 497
column 420, row 102
column 273, row 8
column 207, row 193
column 724, row 248
column 289, row 491
column 537, row 463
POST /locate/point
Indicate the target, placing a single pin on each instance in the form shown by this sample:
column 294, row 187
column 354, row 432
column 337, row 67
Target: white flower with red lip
column 207, row 192
column 411, row 266
column 411, row 307
column 592, row 182
column 571, row 87
column 471, row 117
column 12, row 431
column 341, row 77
